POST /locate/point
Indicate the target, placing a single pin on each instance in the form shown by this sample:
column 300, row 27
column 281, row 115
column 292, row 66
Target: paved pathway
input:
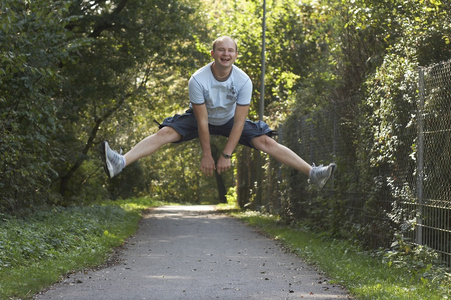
column 192, row 252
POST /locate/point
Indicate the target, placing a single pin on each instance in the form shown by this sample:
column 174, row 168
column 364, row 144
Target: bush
column 47, row 234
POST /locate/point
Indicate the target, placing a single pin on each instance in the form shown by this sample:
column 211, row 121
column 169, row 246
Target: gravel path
column 192, row 252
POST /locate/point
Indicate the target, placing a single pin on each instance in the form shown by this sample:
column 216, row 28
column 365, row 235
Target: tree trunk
column 64, row 180
column 222, row 192
column 242, row 177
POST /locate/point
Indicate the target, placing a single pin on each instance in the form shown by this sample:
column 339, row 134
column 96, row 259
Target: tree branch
column 90, row 142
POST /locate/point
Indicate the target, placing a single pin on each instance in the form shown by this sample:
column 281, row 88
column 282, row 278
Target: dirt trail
column 192, row 252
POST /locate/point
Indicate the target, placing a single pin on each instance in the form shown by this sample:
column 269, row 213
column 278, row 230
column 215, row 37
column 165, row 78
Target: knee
column 168, row 134
column 264, row 143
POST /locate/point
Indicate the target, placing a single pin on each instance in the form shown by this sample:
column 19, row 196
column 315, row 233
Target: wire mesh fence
column 411, row 196
column 433, row 197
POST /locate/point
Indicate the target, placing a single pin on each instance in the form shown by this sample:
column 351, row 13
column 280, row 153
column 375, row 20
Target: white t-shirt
column 220, row 97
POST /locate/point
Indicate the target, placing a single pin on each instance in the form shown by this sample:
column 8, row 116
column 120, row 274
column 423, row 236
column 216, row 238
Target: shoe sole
column 103, row 153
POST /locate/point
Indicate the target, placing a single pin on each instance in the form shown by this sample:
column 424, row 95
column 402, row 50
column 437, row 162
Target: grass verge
column 36, row 251
column 365, row 275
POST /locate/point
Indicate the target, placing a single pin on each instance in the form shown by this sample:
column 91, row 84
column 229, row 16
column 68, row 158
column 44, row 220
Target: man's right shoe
column 320, row 175
column 113, row 162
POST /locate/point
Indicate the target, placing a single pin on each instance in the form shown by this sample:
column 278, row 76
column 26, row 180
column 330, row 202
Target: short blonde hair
column 224, row 37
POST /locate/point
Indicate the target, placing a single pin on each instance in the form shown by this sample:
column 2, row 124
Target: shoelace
column 115, row 157
column 321, row 171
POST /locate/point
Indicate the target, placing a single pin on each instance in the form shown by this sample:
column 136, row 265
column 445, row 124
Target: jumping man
column 220, row 95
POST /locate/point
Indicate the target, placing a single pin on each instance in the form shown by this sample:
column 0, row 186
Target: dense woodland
column 76, row 72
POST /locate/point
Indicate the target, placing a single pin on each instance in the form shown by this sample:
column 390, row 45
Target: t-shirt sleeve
column 245, row 94
column 196, row 95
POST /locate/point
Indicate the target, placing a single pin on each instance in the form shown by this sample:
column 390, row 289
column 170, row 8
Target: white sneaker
column 320, row 175
column 113, row 162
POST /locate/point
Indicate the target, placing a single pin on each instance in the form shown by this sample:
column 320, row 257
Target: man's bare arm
column 207, row 164
column 234, row 137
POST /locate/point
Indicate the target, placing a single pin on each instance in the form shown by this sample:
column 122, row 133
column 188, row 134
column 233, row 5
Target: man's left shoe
column 320, row 175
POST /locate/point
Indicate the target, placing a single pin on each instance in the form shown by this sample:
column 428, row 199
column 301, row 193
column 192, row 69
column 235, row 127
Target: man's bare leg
column 151, row 144
column 317, row 175
column 281, row 153
column 114, row 162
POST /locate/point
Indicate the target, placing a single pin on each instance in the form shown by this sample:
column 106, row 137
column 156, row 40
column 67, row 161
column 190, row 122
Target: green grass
column 365, row 275
column 36, row 251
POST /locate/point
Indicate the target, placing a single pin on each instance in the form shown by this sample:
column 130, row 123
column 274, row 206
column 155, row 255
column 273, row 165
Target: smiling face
column 224, row 52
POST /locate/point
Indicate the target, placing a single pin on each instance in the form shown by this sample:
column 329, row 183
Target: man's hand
column 223, row 164
column 207, row 165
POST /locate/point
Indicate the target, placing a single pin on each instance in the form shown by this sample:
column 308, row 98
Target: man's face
column 225, row 53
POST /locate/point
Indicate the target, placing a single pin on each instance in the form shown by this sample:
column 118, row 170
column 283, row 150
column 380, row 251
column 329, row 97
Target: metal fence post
column 420, row 157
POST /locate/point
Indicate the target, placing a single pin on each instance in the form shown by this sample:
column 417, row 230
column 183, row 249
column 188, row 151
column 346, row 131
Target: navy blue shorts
column 186, row 125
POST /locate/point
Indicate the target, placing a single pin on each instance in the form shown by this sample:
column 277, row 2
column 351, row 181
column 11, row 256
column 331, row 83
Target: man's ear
column 212, row 53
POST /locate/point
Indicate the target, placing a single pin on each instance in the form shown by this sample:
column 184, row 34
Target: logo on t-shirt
column 232, row 93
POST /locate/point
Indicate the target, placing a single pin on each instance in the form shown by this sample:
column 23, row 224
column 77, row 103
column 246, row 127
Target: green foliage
column 363, row 73
column 419, row 261
column 32, row 43
column 73, row 73
column 232, row 198
column 47, row 234
column 404, row 254
column 119, row 74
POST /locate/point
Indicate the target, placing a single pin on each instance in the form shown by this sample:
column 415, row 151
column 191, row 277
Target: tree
column 111, row 75
column 70, row 72
column 32, row 43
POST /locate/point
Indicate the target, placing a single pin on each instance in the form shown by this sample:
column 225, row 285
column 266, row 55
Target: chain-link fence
column 433, row 186
column 410, row 195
